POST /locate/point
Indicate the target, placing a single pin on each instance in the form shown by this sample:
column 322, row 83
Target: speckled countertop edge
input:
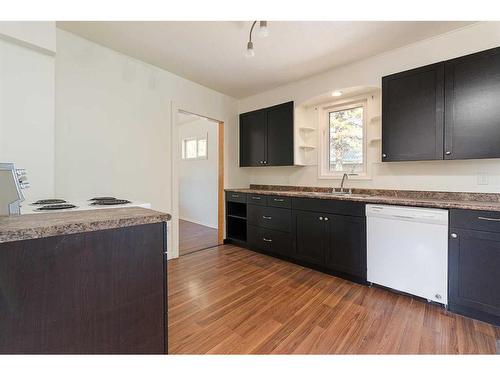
column 381, row 199
column 33, row 226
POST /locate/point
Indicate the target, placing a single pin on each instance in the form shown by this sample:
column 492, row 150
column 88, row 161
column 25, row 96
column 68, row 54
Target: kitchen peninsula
column 84, row 282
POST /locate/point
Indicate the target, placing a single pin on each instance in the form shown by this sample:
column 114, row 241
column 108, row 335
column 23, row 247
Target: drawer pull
column 454, row 235
column 256, row 198
column 267, row 217
column 488, row 218
column 267, row 239
column 235, row 195
column 278, row 200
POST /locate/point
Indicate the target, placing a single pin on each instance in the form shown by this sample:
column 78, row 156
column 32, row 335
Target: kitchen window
column 194, row 148
column 343, row 143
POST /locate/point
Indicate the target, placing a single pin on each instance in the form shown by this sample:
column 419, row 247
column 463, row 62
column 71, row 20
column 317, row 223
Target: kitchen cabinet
column 447, row 110
column 346, row 247
column 310, row 236
column 472, row 115
column 412, row 114
column 474, row 261
column 253, row 138
column 266, row 136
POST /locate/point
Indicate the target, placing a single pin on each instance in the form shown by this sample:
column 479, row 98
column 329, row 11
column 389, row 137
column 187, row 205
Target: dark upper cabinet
column 472, row 117
column 266, row 136
column 310, row 236
column 346, row 248
column 412, row 114
column 447, row 110
column 253, row 138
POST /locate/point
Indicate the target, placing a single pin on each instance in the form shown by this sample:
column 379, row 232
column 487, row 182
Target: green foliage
column 346, row 138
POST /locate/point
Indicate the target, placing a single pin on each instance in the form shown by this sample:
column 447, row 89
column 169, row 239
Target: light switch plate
column 482, row 179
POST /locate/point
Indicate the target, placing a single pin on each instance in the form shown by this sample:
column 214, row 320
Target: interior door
column 280, row 135
column 253, row 138
column 309, row 236
column 412, row 114
column 472, row 91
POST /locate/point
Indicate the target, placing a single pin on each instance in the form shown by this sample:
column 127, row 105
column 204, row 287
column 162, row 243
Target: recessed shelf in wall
column 375, row 118
column 373, row 140
column 307, row 147
column 307, row 128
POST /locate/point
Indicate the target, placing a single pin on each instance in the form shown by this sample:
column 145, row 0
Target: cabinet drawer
column 270, row 217
column 236, row 197
column 269, row 240
column 279, row 201
column 330, row 206
column 257, row 199
column 488, row 221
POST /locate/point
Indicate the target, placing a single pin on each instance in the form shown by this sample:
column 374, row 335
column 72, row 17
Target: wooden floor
column 194, row 237
column 231, row 300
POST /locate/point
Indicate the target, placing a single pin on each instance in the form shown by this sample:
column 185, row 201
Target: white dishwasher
column 407, row 250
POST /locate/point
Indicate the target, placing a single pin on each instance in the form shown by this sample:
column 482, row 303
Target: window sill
column 350, row 178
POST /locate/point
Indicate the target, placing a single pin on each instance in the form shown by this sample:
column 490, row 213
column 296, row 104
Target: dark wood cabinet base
column 101, row 292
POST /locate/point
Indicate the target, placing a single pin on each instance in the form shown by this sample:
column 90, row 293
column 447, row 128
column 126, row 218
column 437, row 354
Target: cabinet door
column 309, row 229
column 346, row 248
column 280, row 134
column 253, row 138
column 412, row 114
column 474, row 277
column 472, row 91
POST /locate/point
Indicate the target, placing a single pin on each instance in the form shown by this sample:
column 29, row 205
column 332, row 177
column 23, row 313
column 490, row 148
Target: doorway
column 200, row 176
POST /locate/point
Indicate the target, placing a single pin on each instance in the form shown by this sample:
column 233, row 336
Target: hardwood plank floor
column 194, row 237
column 232, row 300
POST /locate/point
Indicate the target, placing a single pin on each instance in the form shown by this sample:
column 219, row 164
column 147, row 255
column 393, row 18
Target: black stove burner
column 55, row 207
column 102, row 198
column 50, row 201
column 109, row 202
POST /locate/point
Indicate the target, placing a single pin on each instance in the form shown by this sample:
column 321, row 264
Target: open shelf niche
column 306, row 135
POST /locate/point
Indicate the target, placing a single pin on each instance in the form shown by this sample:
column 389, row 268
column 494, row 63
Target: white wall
column 198, row 178
column 430, row 175
column 27, row 114
column 38, row 35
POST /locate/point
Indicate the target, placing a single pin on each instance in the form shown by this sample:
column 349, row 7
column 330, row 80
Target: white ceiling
column 212, row 53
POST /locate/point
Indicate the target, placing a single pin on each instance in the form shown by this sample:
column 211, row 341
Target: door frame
column 173, row 233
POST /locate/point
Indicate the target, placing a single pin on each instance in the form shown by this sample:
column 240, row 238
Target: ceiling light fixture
column 337, row 93
column 263, row 32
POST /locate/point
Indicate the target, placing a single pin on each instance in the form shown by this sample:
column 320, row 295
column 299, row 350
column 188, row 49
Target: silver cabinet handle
column 265, row 161
column 326, row 219
column 278, row 200
column 384, row 155
column 235, row 195
column 488, row 218
column 454, row 235
column 267, row 239
column 267, row 217
column 448, row 153
column 256, row 198
column 321, row 217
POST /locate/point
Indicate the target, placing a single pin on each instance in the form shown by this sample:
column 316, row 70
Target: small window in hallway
column 194, row 148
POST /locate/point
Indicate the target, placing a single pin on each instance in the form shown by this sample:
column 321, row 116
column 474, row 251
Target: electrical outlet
column 482, row 179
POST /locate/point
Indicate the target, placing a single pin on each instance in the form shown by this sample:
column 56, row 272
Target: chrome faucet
column 344, row 178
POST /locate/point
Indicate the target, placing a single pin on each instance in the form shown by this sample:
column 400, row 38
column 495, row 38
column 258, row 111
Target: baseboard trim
column 198, row 222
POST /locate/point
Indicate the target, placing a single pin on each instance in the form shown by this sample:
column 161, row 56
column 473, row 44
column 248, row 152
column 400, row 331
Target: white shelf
column 307, row 147
column 307, row 128
column 375, row 118
column 375, row 140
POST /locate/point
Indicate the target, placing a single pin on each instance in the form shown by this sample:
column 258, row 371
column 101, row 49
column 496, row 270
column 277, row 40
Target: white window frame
column 324, row 171
column 197, row 139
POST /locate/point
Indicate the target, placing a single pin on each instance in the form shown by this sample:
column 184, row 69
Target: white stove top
column 29, row 208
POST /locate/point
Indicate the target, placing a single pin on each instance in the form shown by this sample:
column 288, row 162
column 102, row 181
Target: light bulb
column 250, row 52
column 337, row 93
column 263, row 29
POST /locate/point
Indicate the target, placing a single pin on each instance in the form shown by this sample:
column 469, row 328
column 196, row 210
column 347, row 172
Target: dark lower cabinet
column 474, row 274
column 101, row 292
column 346, row 250
column 270, row 241
column 309, row 230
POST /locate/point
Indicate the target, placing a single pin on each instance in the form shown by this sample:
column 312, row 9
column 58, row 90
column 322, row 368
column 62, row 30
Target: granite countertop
column 31, row 226
column 445, row 200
